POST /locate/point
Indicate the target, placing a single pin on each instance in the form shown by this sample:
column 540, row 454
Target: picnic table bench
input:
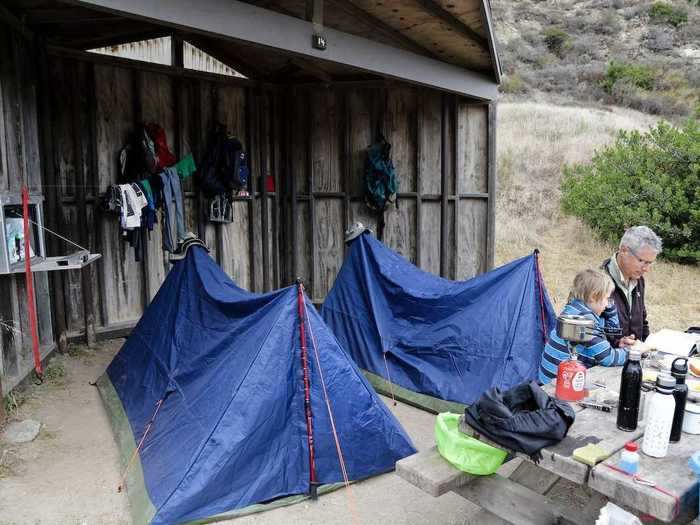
column 522, row 497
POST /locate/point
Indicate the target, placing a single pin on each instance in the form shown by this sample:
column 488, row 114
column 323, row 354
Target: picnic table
column 522, row 497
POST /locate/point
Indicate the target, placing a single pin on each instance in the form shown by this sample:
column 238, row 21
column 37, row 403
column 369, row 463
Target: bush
column 637, row 75
column 664, row 13
column 513, row 84
column 651, row 178
column 557, row 41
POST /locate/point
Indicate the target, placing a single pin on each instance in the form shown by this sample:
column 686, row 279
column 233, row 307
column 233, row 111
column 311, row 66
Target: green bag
column 464, row 452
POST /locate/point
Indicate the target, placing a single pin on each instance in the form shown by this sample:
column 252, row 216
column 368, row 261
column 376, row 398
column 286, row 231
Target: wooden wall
column 441, row 150
column 20, row 164
column 310, row 140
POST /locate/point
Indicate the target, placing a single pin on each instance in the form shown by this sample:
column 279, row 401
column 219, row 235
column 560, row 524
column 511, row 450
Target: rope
column 388, row 378
column 341, row 459
column 653, row 485
column 538, row 278
column 138, row 448
column 54, row 233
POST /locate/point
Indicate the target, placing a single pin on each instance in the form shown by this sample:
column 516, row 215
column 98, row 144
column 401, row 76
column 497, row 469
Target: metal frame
column 239, row 21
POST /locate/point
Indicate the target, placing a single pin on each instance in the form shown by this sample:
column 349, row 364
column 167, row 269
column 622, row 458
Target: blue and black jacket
column 595, row 352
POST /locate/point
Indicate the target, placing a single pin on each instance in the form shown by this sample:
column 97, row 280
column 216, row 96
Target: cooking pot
column 575, row 328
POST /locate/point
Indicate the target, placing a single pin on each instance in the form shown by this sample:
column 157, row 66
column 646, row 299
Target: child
column 589, row 297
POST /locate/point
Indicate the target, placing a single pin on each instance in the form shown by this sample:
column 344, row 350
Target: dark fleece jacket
column 633, row 318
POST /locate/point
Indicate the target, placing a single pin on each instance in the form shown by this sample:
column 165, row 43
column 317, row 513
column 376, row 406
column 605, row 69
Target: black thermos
column 680, row 394
column 630, row 392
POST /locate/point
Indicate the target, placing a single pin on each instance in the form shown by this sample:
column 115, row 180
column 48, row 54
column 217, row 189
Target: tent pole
column 307, row 389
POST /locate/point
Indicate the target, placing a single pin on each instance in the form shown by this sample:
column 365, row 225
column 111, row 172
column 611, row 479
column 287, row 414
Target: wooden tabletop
column 676, row 491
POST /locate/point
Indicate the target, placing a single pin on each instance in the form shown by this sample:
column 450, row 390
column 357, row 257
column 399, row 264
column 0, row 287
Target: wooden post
column 443, row 171
column 312, row 202
column 491, row 221
column 86, row 285
column 263, row 133
column 48, row 167
column 3, row 414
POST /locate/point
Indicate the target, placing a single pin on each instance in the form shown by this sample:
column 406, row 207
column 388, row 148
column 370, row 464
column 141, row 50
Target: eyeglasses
column 643, row 262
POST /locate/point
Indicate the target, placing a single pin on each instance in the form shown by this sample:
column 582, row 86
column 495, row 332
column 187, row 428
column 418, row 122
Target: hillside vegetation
column 535, row 141
column 641, row 54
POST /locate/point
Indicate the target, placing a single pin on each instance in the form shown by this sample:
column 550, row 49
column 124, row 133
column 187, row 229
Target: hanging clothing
column 130, row 210
column 186, row 166
column 174, row 210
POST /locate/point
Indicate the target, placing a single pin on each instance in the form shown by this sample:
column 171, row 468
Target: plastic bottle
column 630, row 392
column 660, row 419
column 629, row 458
column 679, row 370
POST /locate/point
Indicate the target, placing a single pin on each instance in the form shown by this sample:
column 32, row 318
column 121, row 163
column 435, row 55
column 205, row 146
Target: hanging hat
column 355, row 231
column 189, row 240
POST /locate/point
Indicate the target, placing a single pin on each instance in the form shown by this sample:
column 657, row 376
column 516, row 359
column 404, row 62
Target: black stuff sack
column 523, row 419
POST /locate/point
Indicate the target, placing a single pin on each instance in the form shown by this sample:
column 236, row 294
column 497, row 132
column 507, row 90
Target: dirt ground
column 69, row 473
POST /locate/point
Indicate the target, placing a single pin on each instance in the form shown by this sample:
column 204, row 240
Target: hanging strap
column 31, row 305
column 540, row 286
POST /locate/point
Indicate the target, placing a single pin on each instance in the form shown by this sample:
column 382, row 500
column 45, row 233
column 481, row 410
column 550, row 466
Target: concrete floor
column 69, row 474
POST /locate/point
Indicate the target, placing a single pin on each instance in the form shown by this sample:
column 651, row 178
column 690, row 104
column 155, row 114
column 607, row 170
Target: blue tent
column 218, row 374
column 451, row 340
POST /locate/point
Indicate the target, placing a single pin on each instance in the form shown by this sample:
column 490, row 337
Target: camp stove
column 571, row 374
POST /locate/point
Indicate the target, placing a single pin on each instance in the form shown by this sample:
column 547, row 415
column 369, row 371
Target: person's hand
column 627, row 341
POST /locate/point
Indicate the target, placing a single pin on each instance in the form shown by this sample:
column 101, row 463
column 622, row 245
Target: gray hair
column 636, row 237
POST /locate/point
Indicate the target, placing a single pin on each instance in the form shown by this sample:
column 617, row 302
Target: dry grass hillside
column 534, row 141
column 563, row 50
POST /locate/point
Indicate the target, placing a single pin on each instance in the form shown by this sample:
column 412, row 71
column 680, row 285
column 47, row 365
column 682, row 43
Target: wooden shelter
column 423, row 72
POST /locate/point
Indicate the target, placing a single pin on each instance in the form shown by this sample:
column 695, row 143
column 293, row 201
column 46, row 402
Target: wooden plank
column 492, row 188
column 429, row 131
column 400, row 130
column 400, row 232
column 472, row 177
column 515, row 503
column 51, row 190
column 80, row 126
column 329, row 228
column 471, row 232
column 671, row 473
column 324, row 132
column 302, row 248
column 444, row 167
column 431, row 473
column 158, row 107
column 4, row 68
column 430, row 225
column 360, row 137
column 234, row 246
column 250, row 111
column 121, row 275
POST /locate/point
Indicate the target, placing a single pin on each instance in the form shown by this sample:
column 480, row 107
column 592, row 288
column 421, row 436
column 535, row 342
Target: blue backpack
column 380, row 176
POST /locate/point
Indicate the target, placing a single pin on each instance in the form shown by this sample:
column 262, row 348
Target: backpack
column 225, row 165
column 524, row 419
column 146, row 152
column 380, row 176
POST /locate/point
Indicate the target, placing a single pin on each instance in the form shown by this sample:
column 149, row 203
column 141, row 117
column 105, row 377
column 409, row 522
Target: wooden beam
column 437, row 10
column 239, row 21
column 488, row 22
column 116, row 38
column 10, row 19
column 311, row 68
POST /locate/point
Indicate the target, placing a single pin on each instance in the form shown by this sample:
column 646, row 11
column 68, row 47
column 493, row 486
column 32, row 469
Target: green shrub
column 639, row 76
column 513, row 84
column 557, row 41
column 651, row 178
column 667, row 14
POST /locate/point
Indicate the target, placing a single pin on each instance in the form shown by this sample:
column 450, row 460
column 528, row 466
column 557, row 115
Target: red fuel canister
column 571, row 380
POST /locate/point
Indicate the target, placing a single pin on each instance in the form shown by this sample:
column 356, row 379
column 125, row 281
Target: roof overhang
column 242, row 22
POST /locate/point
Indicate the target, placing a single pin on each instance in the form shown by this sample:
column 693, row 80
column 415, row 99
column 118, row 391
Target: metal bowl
column 575, row 328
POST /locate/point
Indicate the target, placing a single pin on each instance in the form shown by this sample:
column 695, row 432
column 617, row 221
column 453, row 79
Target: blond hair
column 591, row 285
